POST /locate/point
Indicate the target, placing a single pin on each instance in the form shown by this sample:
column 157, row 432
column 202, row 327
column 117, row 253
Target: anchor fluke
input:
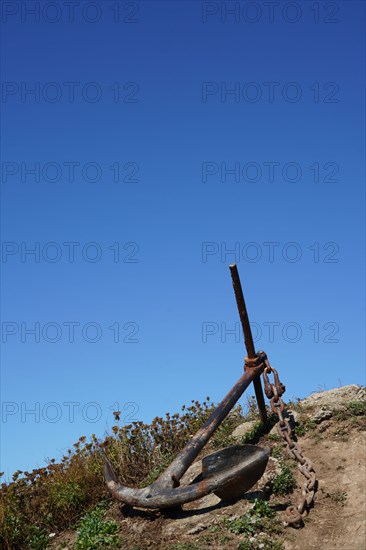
column 246, row 464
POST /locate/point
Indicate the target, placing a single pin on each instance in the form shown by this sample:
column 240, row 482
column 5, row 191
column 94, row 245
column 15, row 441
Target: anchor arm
column 156, row 496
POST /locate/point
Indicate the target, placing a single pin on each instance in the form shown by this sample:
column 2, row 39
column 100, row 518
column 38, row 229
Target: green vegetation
column 277, row 452
column 259, row 519
column 304, row 426
column 259, row 429
column 252, row 408
column 338, row 496
column 284, row 482
column 222, row 437
column 253, row 521
column 299, row 429
column 96, row 533
column 263, row 543
column 38, row 539
column 357, row 408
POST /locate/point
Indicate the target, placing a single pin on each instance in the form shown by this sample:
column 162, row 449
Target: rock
column 197, row 529
column 272, row 470
column 293, row 416
column 323, row 414
column 193, row 471
column 274, row 431
column 208, row 501
column 241, row 430
column 186, row 525
column 335, row 397
column 262, row 488
column 138, row 527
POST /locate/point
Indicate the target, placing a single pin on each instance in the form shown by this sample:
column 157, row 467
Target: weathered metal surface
column 247, row 461
column 248, row 338
column 293, row 515
column 221, row 481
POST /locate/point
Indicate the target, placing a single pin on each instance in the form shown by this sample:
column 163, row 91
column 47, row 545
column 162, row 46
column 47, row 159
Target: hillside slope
column 330, row 427
column 66, row 505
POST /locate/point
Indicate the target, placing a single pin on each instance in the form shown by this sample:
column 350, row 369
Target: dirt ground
column 340, row 468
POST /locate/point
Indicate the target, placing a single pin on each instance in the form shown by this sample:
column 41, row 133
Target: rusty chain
column 293, row 515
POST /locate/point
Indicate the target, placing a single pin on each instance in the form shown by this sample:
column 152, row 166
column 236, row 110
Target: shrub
column 284, row 482
column 263, row 543
column 95, row 532
column 253, row 521
column 357, row 408
column 38, row 539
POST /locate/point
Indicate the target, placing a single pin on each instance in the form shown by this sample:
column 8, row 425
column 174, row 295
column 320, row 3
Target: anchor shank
column 243, row 313
column 248, row 338
column 185, row 458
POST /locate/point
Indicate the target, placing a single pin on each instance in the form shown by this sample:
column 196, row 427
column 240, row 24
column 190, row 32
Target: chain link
column 294, row 515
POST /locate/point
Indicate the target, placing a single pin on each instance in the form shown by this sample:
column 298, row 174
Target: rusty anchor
column 228, row 472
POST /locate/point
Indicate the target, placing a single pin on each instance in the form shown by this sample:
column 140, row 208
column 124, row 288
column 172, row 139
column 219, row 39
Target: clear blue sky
column 162, row 137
